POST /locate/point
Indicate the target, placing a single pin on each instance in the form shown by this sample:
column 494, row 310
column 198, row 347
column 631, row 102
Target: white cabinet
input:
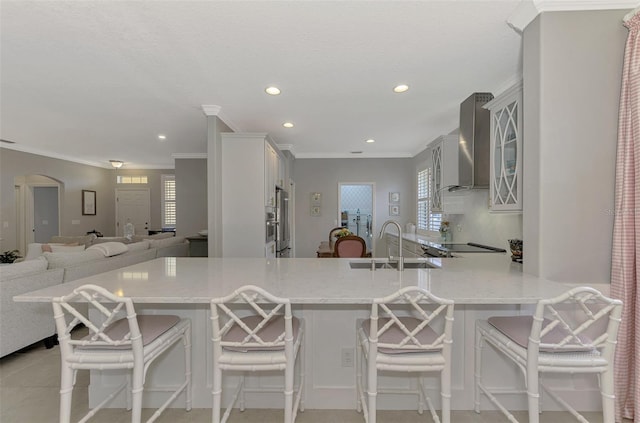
column 248, row 185
column 444, row 163
column 505, row 191
column 271, row 174
column 392, row 245
column 410, row 249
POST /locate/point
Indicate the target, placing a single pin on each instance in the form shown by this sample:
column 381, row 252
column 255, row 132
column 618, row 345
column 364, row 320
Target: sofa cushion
column 109, row 249
column 159, row 243
column 136, row 246
column 85, row 239
column 57, row 260
column 161, row 235
column 14, row 270
column 56, row 248
column 103, row 239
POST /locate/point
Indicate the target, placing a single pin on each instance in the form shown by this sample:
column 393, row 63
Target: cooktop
column 472, row 248
column 446, row 249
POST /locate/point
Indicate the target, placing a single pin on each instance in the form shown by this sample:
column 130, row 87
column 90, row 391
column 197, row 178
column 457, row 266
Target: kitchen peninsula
column 330, row 295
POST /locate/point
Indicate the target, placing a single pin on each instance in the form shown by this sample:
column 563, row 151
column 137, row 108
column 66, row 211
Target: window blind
column 168, row 201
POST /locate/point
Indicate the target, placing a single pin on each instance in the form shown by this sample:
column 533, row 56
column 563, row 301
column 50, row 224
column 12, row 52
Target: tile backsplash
column 483, row 227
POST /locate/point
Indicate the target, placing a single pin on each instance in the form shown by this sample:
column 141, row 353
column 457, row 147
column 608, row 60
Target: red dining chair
column 350, row 246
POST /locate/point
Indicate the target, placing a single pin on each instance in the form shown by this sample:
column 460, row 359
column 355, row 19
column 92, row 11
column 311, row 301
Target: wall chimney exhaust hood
column 474, row 143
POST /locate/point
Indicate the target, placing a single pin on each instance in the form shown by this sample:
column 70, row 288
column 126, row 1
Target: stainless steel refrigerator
column 282, row 211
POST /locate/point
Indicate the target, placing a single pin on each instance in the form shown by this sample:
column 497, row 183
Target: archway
column 38, row 205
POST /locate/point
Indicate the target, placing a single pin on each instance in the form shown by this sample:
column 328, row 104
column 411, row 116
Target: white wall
column 73, row 177
column 191, row 196
column 323, row 175
column 572, row 65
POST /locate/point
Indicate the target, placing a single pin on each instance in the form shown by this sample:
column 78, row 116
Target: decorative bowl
column 203, row 232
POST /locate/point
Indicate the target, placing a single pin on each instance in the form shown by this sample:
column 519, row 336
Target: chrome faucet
column 400, row 257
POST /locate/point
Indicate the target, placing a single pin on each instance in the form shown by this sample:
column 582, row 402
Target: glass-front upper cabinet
column 506, row 150
column 436, row 177
column 444, row 165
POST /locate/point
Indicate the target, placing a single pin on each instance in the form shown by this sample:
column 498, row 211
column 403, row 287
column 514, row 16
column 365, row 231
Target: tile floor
column 29, row 385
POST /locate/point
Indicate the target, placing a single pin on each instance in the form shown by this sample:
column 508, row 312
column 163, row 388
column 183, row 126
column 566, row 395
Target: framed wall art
column 394, row 210
column 316, row 198
column 394, row 197
column 88, row 202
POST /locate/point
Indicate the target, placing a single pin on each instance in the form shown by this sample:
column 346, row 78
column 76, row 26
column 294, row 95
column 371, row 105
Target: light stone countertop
column 481, row 279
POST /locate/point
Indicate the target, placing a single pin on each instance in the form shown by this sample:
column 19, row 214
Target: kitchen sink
column 391, row 265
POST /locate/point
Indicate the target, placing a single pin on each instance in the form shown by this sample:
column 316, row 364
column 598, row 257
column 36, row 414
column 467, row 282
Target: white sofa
column 22, row 324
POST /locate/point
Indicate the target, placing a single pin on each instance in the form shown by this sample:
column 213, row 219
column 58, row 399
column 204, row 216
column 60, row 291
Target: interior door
column 45, row 213
column 356, row 209
column 133, row 205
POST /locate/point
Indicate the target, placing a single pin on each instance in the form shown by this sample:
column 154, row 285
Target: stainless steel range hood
column 474, row 143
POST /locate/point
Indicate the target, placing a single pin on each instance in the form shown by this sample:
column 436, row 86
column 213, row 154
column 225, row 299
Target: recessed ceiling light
column 272, row 90
column 288, row 125
column 369, row 141
column 162, row 137
column 400, row 88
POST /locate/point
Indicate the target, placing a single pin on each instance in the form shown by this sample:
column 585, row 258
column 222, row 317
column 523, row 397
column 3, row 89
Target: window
column 168, row 201
column 131, row 179
column 427, row 220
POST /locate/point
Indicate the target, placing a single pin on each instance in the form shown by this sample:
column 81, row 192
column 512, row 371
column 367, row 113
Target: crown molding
column 211, row 109
column 527, row 10
column 104, row 165
column 189, row 155
column 52, row 155
column 227, row 121
column 354, row 156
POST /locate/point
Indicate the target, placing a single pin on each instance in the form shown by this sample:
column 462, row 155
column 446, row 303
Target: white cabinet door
column 506, row 150
column 444, row 162
column 270, row 175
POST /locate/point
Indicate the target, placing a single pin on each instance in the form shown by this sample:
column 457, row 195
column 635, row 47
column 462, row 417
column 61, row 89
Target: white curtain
column 625, row 263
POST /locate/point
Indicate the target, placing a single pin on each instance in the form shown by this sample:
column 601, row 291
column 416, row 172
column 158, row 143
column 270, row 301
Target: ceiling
column 93, row 81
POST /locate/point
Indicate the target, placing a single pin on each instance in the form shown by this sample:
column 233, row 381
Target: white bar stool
column 416, row 342
column 268, row 338
column 122, row 340
column 573, row 333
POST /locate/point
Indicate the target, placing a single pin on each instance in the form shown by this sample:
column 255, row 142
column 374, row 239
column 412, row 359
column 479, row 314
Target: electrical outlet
column 347, row 357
